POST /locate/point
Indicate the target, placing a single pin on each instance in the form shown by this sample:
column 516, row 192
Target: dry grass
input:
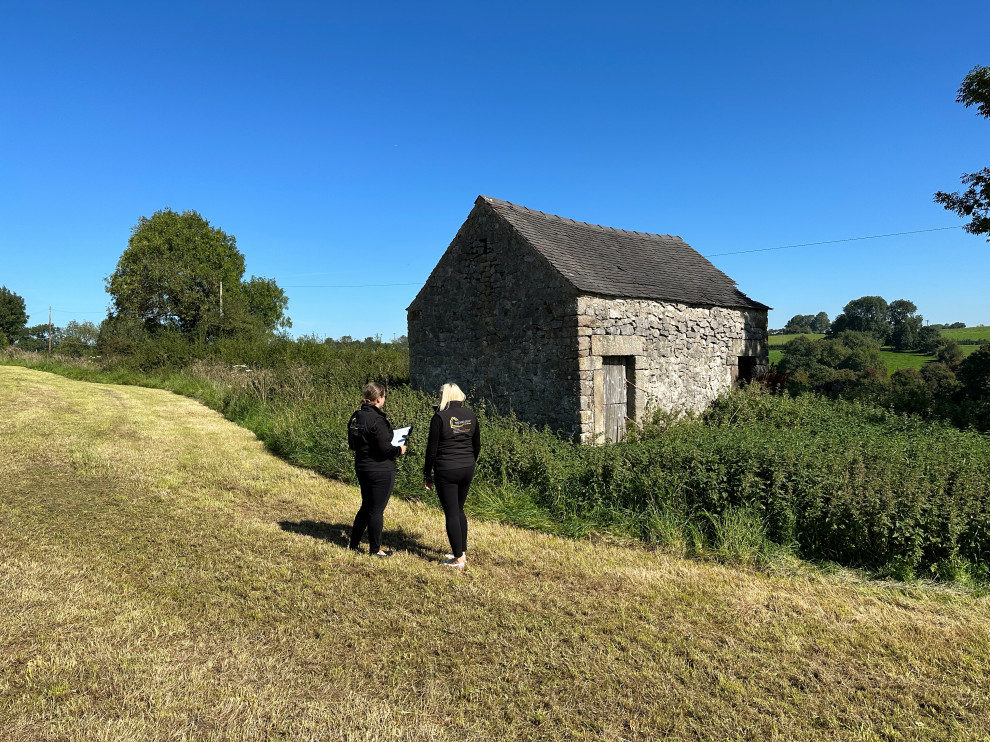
column 163, row 577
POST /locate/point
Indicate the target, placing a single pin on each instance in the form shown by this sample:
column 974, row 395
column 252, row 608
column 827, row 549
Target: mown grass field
column 164, row 577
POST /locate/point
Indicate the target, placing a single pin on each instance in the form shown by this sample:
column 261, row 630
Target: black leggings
column 452, row 489
column 376, row 489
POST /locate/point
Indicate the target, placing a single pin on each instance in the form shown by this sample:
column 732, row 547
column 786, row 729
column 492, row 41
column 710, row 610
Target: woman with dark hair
column 369, row 436
column 451, row 453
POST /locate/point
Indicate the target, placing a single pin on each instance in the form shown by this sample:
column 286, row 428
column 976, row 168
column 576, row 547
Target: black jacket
column 369, row 436
column 455, row 440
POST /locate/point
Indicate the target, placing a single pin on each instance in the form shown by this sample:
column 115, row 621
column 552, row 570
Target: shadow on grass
column 339, row 534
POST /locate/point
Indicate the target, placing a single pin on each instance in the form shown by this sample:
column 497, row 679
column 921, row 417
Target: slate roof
column 615, row 262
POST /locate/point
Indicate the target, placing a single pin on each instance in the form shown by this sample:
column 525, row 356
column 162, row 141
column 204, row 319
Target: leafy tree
column 120, row 334
column 266, row 303
column 78, row 338
column 180, row 273
column 869, row 314
column 974, row 202
column 849, row 365
column 974, row 373
column 36, row 337
column 950, row 354
column 941, row 380
column 900, row 310
column 929, row 339
column 799, row 324
column 863, row 352
column 806, row 324
column 905, row 324
column 13, row 316
column 910, row 393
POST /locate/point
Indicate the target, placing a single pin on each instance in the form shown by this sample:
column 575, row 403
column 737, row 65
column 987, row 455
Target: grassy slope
column 968, row 333
column 163, row 576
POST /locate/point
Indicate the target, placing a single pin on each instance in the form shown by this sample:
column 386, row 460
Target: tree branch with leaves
column 974, row 202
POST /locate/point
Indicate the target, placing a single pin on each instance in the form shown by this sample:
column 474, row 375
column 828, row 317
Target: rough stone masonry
column 508, row 316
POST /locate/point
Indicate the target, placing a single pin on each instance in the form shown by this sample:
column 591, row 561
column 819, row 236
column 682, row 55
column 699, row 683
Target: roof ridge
column 602, row 227
column 587, row 257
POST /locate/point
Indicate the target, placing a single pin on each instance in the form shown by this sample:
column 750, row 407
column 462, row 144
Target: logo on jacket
column 460, row 426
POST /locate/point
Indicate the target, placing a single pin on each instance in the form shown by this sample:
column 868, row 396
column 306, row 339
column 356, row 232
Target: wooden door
column 616, row 398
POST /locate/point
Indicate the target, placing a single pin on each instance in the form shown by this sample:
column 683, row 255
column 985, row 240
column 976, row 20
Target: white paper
column 400, row 436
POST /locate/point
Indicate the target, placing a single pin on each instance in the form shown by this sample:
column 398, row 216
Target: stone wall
column 497, row 320
column 683, row 356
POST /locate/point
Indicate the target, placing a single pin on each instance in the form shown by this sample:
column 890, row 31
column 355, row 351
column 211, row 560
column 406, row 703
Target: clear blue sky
column 344, row 146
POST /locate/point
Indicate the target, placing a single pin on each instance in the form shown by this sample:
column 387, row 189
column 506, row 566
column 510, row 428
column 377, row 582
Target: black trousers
column 376, row 489
column 452, row 488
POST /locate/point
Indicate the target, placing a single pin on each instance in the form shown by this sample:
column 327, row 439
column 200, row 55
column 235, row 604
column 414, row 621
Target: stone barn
column 580, row 327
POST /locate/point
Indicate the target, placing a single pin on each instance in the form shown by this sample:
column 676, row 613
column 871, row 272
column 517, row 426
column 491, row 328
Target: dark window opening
column 747, row 369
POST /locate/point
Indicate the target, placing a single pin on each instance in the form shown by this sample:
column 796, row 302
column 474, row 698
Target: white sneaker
column 451, row 556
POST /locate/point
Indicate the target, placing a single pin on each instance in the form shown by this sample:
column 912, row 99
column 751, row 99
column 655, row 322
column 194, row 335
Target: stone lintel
column 617, row 345
column 751, row 347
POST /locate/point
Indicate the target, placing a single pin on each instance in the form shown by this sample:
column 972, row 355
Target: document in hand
column 400, row 436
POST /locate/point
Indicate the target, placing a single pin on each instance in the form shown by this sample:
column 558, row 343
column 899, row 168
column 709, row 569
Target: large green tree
column 869, row 314
column 807, row 323
column 36, row 337
column 180, row 273
column 974, row 373
column 13, row 316
column 929, row 339
column 974, row 202
column 78, row 338
column 820, row 323
column 905, row 324
column 799, row 324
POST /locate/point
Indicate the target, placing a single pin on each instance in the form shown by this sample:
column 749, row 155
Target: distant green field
column 895, row 360
column 966, row 333
column 780, row 340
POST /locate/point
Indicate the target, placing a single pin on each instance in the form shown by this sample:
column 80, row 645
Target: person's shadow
column 340, row 534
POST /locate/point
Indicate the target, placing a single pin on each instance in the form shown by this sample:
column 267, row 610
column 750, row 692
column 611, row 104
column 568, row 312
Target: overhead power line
column 353, row 286
column 832, row 242
column 713, row 255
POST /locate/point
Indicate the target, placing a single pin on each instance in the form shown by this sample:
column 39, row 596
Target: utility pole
column 49, row 330
column 221, row 298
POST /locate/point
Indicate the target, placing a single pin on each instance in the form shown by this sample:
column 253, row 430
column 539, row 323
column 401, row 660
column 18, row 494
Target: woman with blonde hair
column 451, row 453
column 369, row 436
